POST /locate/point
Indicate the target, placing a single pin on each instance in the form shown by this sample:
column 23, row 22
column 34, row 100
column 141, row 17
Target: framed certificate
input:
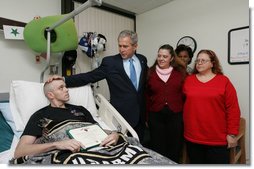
column 89, row 136
column 238, row 46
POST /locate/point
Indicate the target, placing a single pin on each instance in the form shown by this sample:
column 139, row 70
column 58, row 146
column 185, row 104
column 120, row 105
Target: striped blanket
column 127, row 151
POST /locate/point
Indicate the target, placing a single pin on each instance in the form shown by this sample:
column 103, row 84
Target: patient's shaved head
column 49, row 86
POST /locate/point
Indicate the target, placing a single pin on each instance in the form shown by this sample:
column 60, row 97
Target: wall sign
column 238, row 46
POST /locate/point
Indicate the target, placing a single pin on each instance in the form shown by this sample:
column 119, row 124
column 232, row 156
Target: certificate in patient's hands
column 90, row 136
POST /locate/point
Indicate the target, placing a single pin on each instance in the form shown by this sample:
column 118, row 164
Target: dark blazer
column 129, row 102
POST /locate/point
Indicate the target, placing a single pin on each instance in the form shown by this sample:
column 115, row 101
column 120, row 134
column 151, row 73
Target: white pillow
column 28, row 97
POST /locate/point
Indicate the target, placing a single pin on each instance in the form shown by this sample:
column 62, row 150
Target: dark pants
column 166, row 131
column 204, row 154
column 140, row 130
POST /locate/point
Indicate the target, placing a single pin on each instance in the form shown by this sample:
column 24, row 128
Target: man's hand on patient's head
column 54, row 77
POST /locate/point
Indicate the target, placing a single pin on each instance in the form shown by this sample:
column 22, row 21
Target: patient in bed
column 44, row 140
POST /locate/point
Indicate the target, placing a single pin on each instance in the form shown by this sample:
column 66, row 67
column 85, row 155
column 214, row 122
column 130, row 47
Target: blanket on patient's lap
column 127, row 151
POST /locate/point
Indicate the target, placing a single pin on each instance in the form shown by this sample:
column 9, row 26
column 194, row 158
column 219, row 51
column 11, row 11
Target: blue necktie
column 133, row 75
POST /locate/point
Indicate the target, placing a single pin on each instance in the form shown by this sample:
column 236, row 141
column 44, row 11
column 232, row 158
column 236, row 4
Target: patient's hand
column 110, row 139
column 70, row 144
column 54, row 77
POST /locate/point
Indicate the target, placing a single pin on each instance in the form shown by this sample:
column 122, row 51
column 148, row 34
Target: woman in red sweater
column 211, row 112
column 165, row 103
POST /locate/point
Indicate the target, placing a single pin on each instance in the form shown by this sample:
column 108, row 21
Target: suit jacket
column 128, row 101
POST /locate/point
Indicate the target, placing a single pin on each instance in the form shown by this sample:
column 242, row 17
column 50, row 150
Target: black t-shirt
column 34, row 126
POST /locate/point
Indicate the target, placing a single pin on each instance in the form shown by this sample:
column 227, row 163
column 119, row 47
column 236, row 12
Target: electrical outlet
column 53, row 69
column 37, row 59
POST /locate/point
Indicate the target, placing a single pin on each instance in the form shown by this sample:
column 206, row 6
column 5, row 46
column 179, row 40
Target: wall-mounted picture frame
column 238, row 45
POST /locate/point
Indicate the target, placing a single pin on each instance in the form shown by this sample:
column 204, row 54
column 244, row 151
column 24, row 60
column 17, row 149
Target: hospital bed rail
column 112, row 118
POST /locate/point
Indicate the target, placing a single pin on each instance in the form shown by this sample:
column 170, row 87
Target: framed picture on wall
column 238, row 46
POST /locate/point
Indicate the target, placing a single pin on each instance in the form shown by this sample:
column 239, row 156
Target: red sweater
column 211, row 110
column 160, row 94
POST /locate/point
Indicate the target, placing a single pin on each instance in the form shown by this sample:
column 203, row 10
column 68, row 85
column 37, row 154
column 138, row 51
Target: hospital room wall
column 16, row 59
column 208, row 21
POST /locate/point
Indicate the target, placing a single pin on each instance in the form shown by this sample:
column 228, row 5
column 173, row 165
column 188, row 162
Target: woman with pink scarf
column 165, row 101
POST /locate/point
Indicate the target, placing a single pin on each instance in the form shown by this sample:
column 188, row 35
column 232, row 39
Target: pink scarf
column 164, row 73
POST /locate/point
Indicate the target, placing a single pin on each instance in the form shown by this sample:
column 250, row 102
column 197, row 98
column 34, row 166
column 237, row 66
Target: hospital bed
column 27, row 97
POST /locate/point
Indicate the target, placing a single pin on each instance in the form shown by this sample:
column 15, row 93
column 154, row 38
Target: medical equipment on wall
column 93, row 44
column 68, row 63
column 54, row 33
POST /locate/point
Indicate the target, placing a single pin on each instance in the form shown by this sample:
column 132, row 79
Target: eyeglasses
column 202, row 61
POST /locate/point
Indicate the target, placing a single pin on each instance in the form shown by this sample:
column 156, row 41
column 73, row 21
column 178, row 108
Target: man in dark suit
column 127, row 98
